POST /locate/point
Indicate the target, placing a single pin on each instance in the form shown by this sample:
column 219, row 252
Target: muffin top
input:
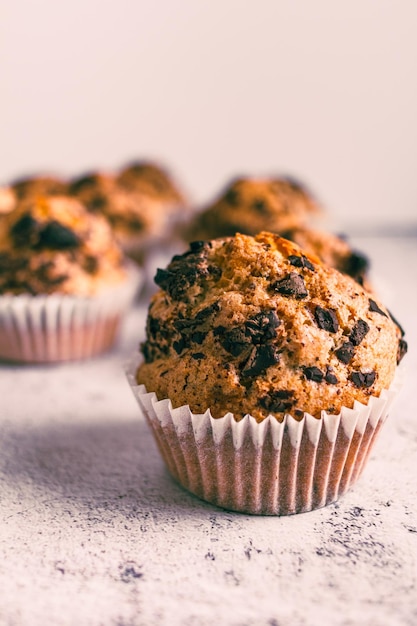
column 39, row 185
column 332, row 250
column 255, row 325
column 132, row 215
column 250, row 205
column 152, row 180
column 54, row 244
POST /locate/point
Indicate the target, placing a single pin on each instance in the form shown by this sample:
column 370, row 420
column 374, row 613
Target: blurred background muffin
column 250, row 205
column 64, row 282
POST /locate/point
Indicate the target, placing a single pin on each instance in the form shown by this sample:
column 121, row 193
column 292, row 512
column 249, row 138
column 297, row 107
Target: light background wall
column 322, row 89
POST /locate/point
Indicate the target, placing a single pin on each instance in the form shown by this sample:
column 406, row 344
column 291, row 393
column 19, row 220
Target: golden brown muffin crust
column 153, row 180
column 53, row 245
column 258, row 326
column 39, row 185
column 250, row 205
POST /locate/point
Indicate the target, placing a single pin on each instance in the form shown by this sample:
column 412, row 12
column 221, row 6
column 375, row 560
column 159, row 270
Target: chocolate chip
column 396, row 322
column 277, row 401
column 186, row 270
column 300, row 261
column 91, row 264
column 43, row 273
column 345, row 352
column 56, row 236
column 197, row 246
column 313, row 373
column 12, row 264
column 326, row 319
column 84, row 182
column 198, row 337
column 24, row 230
column 402, row 350
column 330, row 377
column 356, row 265
column 291, row 285
column 363, row 379
column 375, row 308
column 358, row 332
column 232, row 197
column 234, row 340
column 97, row 202
column 179, row 345
column 197, row 356
column 260, row 205
column 262, row 326
column 260, row 359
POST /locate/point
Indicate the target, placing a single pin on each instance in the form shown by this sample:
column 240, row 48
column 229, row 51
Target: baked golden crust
column 250, row 205
column 152, row 180
column 53, row 245
column 132, row 215
column 257, row 325
column 39, row 185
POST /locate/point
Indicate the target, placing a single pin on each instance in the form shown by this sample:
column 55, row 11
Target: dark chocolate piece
column 260, row 205
column 300, row 261
column 233, row 340
column 313, row 373
column 84, row 182
column 330, row 377
column 356, row 266
column 56, row 236
column 345, row 352
column 12, row 264
column 402, row 350
column 24, row 231
column 91, row 264
column 291, row 285
column 232, row 197
column 358, row 332
column 363, row 379
column 396, row 322
column 326, row 319
column 186, row 270
column 260, row 359
column 262, row 327
column 277, row 401
column 198, row 356
column 375, row 308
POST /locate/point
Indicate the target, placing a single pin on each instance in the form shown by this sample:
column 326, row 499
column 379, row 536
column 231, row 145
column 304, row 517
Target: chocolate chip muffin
column 265, row 375
column 64, row 282
column 250, row 205
column 153, row 180
column 54, row 245
column 134, row 217
column 257, row 326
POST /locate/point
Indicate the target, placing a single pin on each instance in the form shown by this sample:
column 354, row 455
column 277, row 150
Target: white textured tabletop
column 94, row 531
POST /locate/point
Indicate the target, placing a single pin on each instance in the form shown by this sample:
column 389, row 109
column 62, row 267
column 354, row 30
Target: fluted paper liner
column 268, row 468
column 61, row 327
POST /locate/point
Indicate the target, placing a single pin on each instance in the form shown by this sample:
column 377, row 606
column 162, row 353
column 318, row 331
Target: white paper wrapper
column 268, row 468
column 60, row 327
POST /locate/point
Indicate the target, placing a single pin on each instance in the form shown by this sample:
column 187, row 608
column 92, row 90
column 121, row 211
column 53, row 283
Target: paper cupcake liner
column 268, row 468
column 61, row 327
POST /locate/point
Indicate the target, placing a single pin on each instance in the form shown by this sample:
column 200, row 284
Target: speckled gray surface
column 94, row 531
